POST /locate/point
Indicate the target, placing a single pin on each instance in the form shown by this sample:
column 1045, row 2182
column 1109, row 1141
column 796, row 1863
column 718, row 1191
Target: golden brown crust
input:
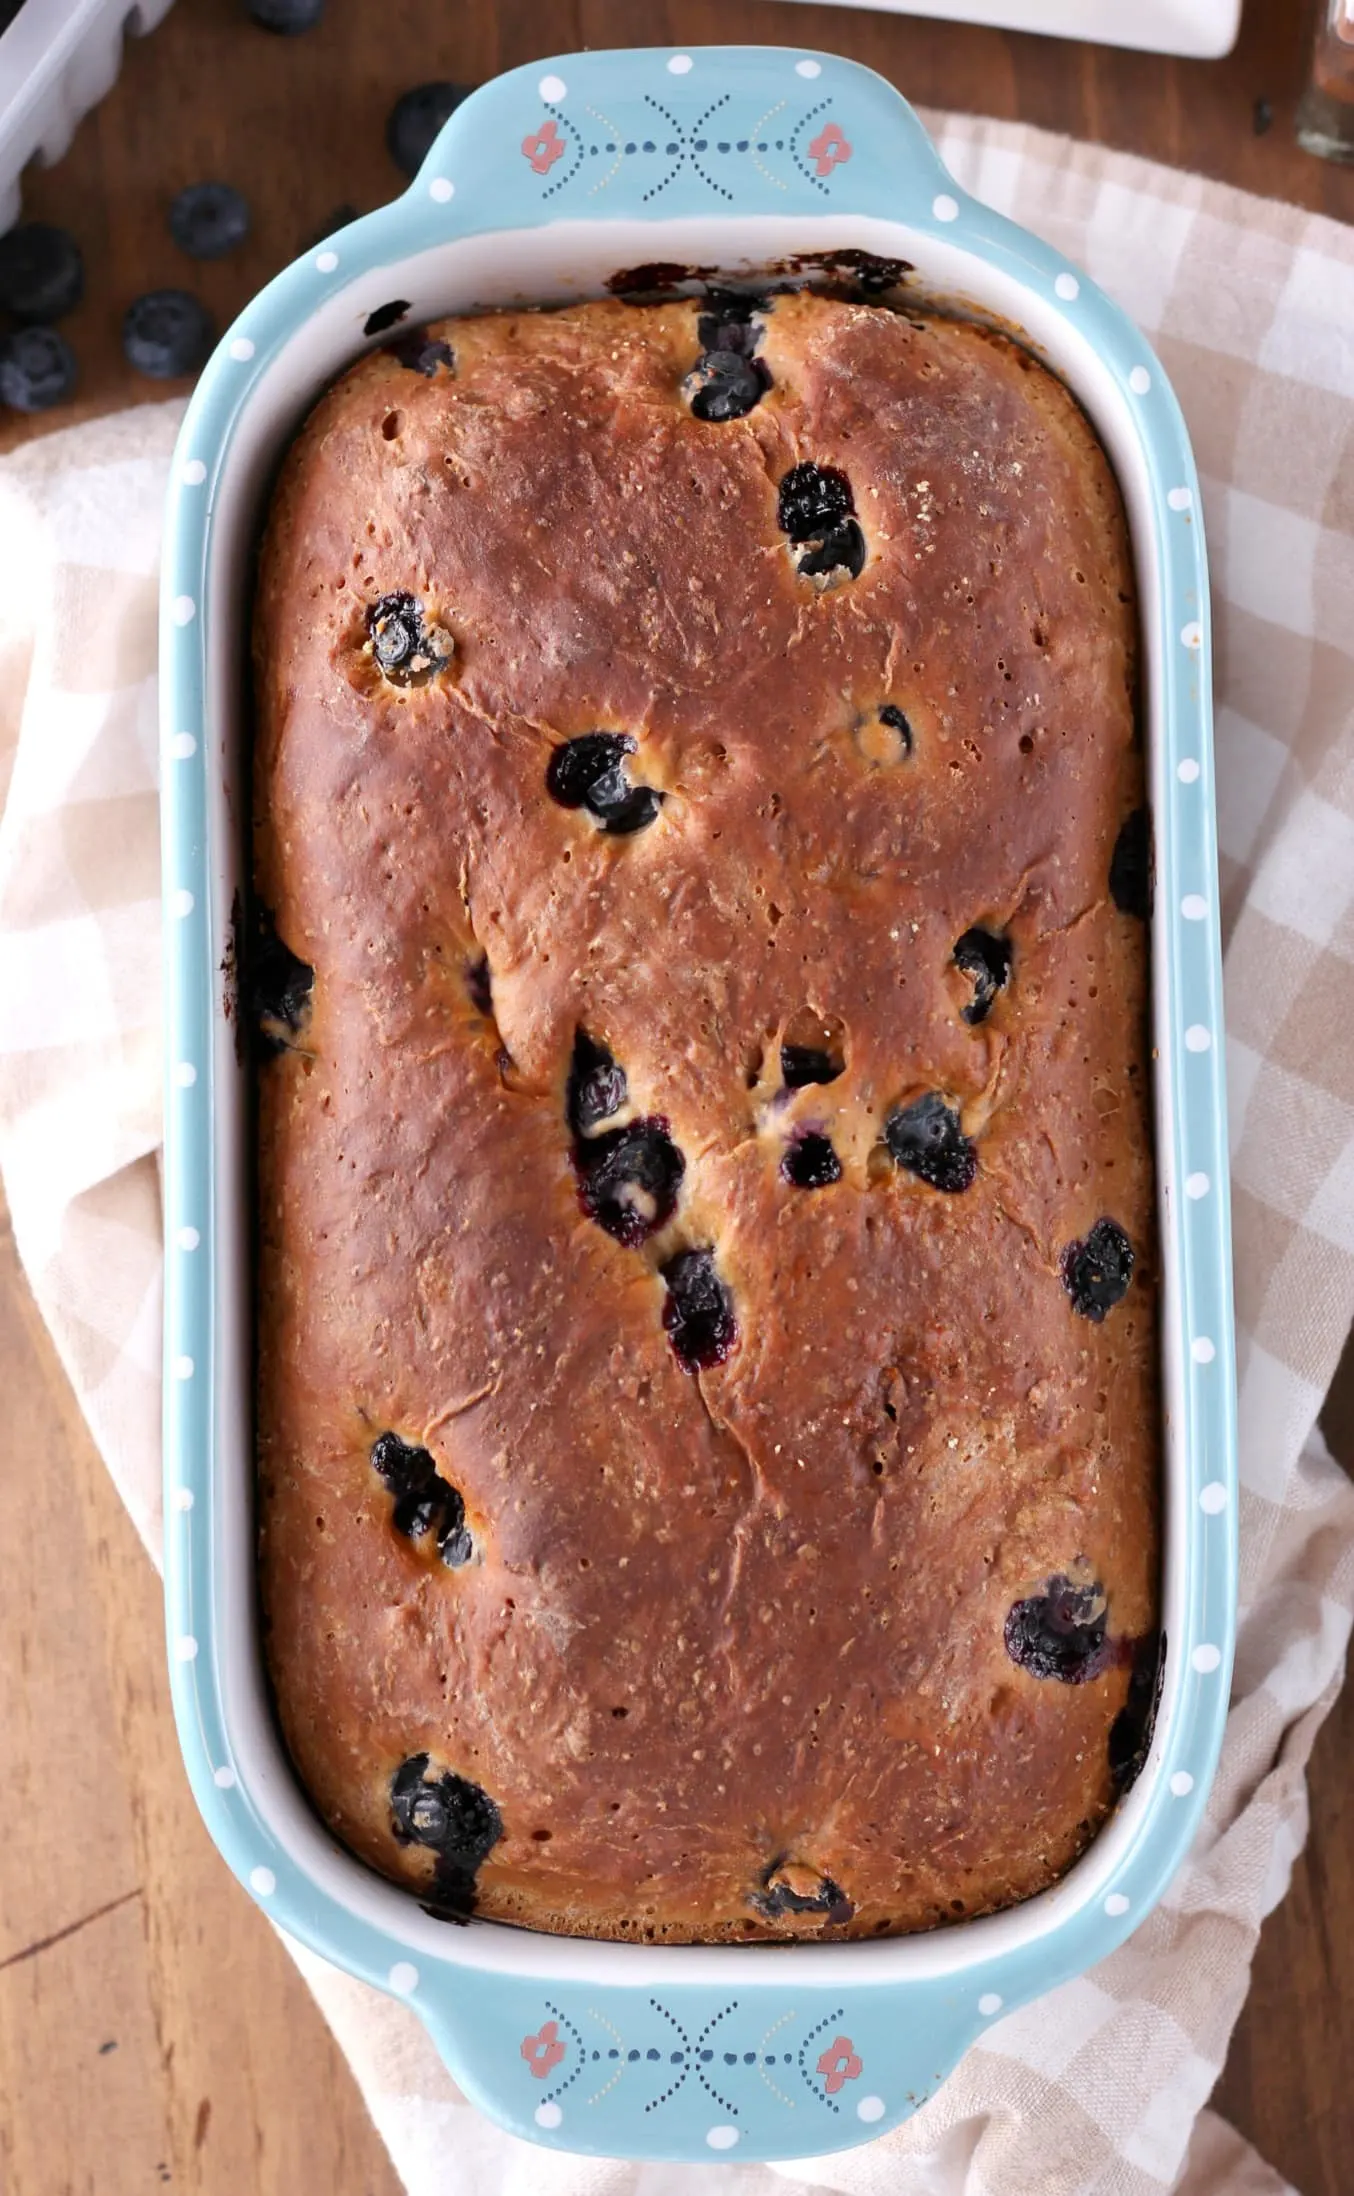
column 752, row 1616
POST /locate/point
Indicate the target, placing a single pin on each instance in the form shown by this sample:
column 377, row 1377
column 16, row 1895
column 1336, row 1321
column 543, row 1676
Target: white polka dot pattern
column 263, row 1881
column 989, row 2003
column 1067, row 286
column 548, row 2114
column 1187, row 771
column 680, row 65
column 403, row 1976
column 808, row 68
column 1116, row 1904
column 1206, row 1659
column 870, row 2108
column 441, row 188
column 552, row 89
column 1182, row 1784
column 1213, row 1498
column 945, row 208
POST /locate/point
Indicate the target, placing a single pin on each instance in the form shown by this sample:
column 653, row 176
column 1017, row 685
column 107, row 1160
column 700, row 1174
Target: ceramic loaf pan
column 542, row 185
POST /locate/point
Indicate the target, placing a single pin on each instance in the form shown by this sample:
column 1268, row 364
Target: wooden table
column 151, row 2028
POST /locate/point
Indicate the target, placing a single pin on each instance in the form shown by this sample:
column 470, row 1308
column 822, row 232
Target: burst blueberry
column 424, row 354
column 810, row 1163
column 723, row 385
column 278, row 985
column 1059, row 1633
column 1097, row 1270
column 590, row 773
column 450, row 1816
column 698, row 1312
column 985, row 959
column 927, row 1140
column 1131, row 866
column 406, row 649
column 597, row 1085
column 629, row 1178
column 788, row 1888
column 812, row 500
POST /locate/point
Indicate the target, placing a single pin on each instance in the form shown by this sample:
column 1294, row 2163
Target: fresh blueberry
column 811, row 500
column 37, row 369
column 723, row 385
column 895, row 719
column 785, row 1891
column 1131, row 866
column 166, row 333
column 589, row 772
column 287, row 17
column 278, row 985
column 451, row 1817
column 400, row 640
column 698, row 1312
column 415, row 119
column 927, row 1140
column 423, row 353
column 1130, row 1740
column 810, row 1163
column 1097, row 1270
column 207, row 220
column 597, row 1085
column 802, row 1064
column 42, row 274
column 1059, row 1633
column 385, row 316
column 986, row 960
column 629, row 1178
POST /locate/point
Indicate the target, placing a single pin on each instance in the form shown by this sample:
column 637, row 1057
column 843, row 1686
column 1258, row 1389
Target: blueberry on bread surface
column 707, row 1412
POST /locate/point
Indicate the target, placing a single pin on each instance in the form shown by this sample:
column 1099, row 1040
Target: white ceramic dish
column 57, row 60
column 1201, row 29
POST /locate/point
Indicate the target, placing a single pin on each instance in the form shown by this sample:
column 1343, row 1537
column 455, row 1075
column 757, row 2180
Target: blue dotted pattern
column 908, row 2031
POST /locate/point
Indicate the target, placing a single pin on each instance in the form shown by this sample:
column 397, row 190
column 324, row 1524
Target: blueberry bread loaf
column 707, row 1421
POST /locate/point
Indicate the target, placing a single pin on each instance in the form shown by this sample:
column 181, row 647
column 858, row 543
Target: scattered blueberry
column 401, row 642
column 42, row 274
column 1059, row 1633
column 927, row 1140
column 415, row 119
column 986, row 960
column 810, row 1163
column 286, row 17
column 724, row 385
column 423, row 353
column 385, row 316
column 424, row 1501
column 278, row 985
column 778, row 1894
column 1131, row 866
column 896, row 720
column 698, row 1313
column 629, row 1178
column 1097, row 1270
column 37, row 369
column 207, row 220
column 801, row 1064
column 166, row 333
column 589, row 772
column 1130, row 1740
column 597, row 1085
column 453, row 1818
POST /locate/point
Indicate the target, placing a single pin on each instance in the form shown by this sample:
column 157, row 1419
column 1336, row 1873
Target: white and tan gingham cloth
column 1099, row 2089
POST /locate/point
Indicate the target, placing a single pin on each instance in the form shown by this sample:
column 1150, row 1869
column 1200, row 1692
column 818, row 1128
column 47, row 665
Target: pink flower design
column 838, row 2064
column 544, row 2051
column 545, row 146
column 829, row 149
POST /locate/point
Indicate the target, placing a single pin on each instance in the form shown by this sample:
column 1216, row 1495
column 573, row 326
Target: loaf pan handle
column 661, row 132
column 693, row 2072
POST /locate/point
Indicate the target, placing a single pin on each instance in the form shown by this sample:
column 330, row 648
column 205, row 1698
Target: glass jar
column 1325, row 118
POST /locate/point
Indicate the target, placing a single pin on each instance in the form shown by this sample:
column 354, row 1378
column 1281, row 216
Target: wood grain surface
column 152, row 2030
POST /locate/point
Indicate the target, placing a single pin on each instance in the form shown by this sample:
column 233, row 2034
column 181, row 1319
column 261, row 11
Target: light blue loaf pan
column 540, row 187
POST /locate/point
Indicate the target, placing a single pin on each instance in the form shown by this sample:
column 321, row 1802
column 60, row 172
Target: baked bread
column 707, row 1412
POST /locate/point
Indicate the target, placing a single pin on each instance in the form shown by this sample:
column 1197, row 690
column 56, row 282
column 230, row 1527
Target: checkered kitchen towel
column 1098, row 2090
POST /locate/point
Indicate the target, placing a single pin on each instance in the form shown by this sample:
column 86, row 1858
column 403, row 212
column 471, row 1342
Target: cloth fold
column 1099, row 2089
